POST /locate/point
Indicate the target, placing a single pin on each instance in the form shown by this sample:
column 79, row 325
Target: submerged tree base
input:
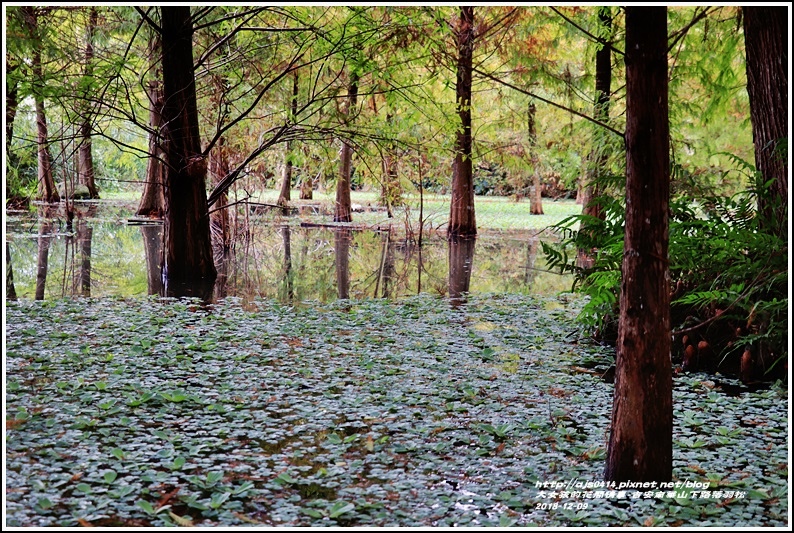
column 164, row 412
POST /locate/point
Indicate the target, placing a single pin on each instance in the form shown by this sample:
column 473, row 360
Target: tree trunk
column 153, row 251
column 598, row 153
column 286, row 182
column 390, row 189
column 307, row 186
column 85, row 160
column 462, row 222
column 641, row 438
column 152, row 202
column 47, row 191
column 288, row 292
column 12, row 102
column 765, row 36
column 536, row 200
column 84, row 238
column 188, row 248
column 11, row 292
column 343, row 211
column 42, row 261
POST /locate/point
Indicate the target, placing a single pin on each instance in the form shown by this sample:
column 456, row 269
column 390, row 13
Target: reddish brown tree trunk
column 188, row 248
column 85, row 159
column 641, row 438
column 343, row 211
column 152, row 202
column 462, row 222
column 46, row 191
column 765, row 37
column 342, row 238
column 536, row 200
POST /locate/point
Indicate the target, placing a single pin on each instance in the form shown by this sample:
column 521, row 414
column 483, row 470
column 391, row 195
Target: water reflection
column 284, row 262
column 11, row 292
column 461, row 263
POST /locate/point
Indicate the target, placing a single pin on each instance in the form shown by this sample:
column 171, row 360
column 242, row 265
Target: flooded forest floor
column 414, row 412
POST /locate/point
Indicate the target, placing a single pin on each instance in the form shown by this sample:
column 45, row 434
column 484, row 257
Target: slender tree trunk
column 11, row 292
column 289, row 290
column 12, row 96
column 188, row 248
column 84, row 237
column 765, row 36
column 462, row 222
column 641, row 438
column 343, row 211
column 536, row 200
column 597, row 159
column 47, row 191
column 390, row 190
column 152, row 202
column 85, row 159
column 286, row 181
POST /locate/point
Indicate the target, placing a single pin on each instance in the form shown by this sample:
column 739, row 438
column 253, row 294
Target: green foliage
column 727, row 270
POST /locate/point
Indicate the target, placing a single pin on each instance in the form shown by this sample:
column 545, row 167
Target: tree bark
column 462, row 222
column 536, row 200
column 188, row 248
column 343, row 211
column 765, row 35
column 640, row 443
column 152, row 202
column 85, row 160
column 597, row 160
column 47, row 192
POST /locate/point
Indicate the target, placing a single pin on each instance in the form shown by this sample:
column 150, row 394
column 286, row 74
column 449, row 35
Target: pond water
column 106, row 254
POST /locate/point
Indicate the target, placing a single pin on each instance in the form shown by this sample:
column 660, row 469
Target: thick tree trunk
column 536, row 200
column 152, row 202
column 597, row 159
column 765, row 36
column 188, row 248
column 286, row 181
column 47, row 192
column 343, row 211
column 462, row 222
column 85, row 159
column 641, row 439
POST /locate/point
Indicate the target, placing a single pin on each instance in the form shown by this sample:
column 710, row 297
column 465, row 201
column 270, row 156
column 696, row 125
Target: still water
column 104, row 254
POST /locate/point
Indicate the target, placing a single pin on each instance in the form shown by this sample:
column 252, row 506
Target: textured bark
column 46, row 191
column 597, row 159
column 640, row 443
column 286, row 180
column 536, row 200
column 188, row 249
column 343, row 211
column 390, row 190
column 462, row 221
column 85, row 159
column 766, row 44
column 152, row 202
column 461, row 257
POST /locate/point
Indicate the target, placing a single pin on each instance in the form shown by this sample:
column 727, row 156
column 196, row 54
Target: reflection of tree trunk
column 536, row 200
column 47, row 191
column 11, row 292
column 641, row 438
column 153, row 198
column 85, row 160
column 288, row 292
column 187, row 242
column 84, row 236
column 45, row 238
column 461, row 257
column 153, row 250
column 343, row 209
column 532, row 253
column 342, row 238
column 765, row 32
column 388, row 268
column 462, row 221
